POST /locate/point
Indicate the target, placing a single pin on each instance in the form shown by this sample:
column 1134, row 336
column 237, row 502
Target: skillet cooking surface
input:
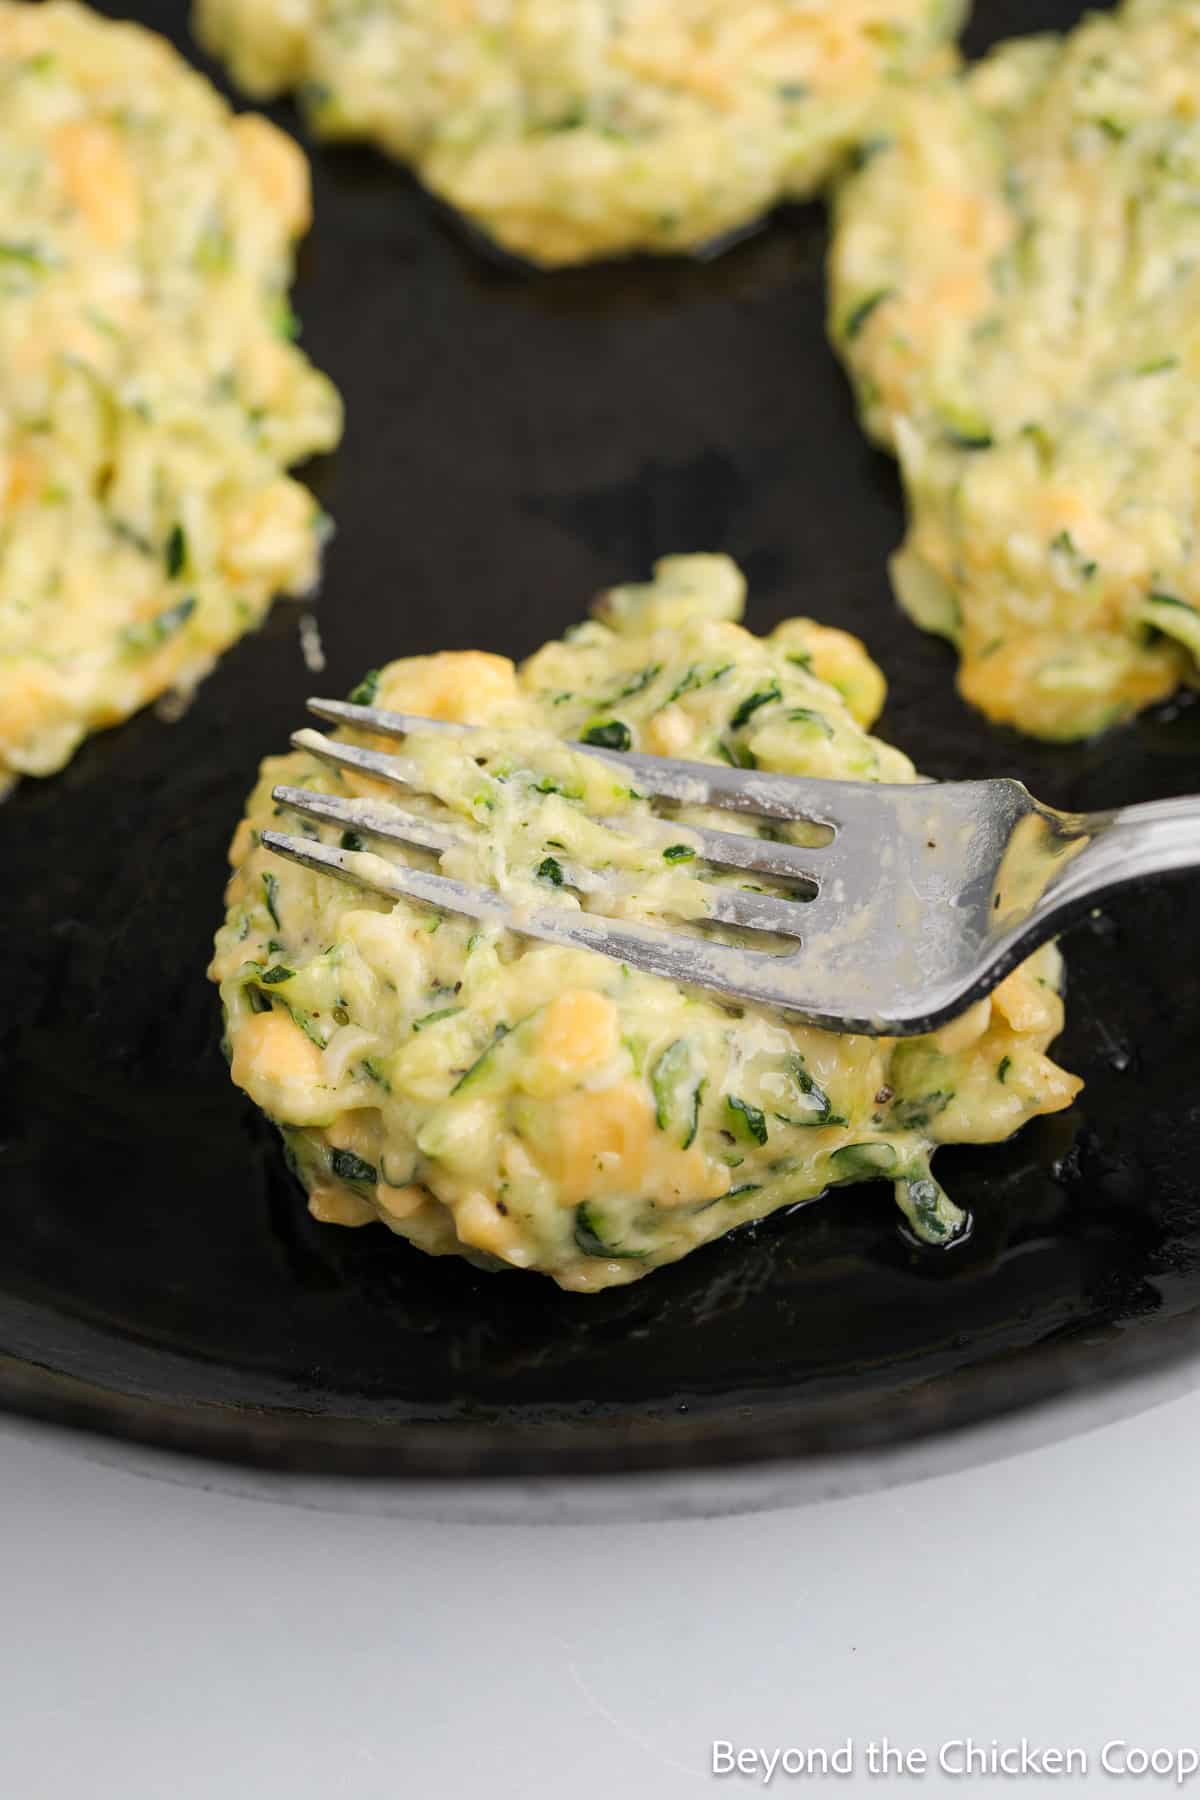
column 516, row 442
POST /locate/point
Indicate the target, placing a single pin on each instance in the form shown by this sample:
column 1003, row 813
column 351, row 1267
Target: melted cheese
column 544, row 1108
column 571, row 129
column 1016, row 290
column 149, row 398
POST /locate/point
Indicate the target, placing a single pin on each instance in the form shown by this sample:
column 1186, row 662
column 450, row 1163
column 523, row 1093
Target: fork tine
column 789, row 797
column 378, row 718
column 748, row 974
column 726, row 849
column 377, row 818
column 375, row 763
column 728, row 906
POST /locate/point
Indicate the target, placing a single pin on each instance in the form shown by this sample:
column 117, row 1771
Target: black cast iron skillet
column 515, row 442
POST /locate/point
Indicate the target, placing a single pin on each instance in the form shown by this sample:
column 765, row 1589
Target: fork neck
column 1128, row 845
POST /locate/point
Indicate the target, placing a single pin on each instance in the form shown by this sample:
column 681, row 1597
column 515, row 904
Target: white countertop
column 162, row 1642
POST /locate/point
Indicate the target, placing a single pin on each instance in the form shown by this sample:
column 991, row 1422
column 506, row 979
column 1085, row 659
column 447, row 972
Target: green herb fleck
column 214, row 251
column 550, row 869
column 912, row 1115
column 1161, row 599
column 121, row 528
column 348, row 1167
column 271, row 890
column 316, row 94
column 858, row 315
column 817, row 722
column 1002, row 1068
column 431, row 1018
column 364, row 694
column 822, row 1112
column 611, row 734
column 968, row 437
column 694, row 1122
column 676, row 853
column 148, row 634
column 1065, row 543
column 373, row 1072
column 27, row 256
column 590, row 1230
column 277, row 972
column 284, row 320
column 175, row 553
column 751, row 704
column 746, row 1121
column 695, row 678
column 637, row 684
column 924, row 1197
column 869, row 149
column 471, row 1075
column 665, row 1078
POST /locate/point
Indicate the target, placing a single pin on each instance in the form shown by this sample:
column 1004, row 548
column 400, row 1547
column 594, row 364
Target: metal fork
column 922, row 898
